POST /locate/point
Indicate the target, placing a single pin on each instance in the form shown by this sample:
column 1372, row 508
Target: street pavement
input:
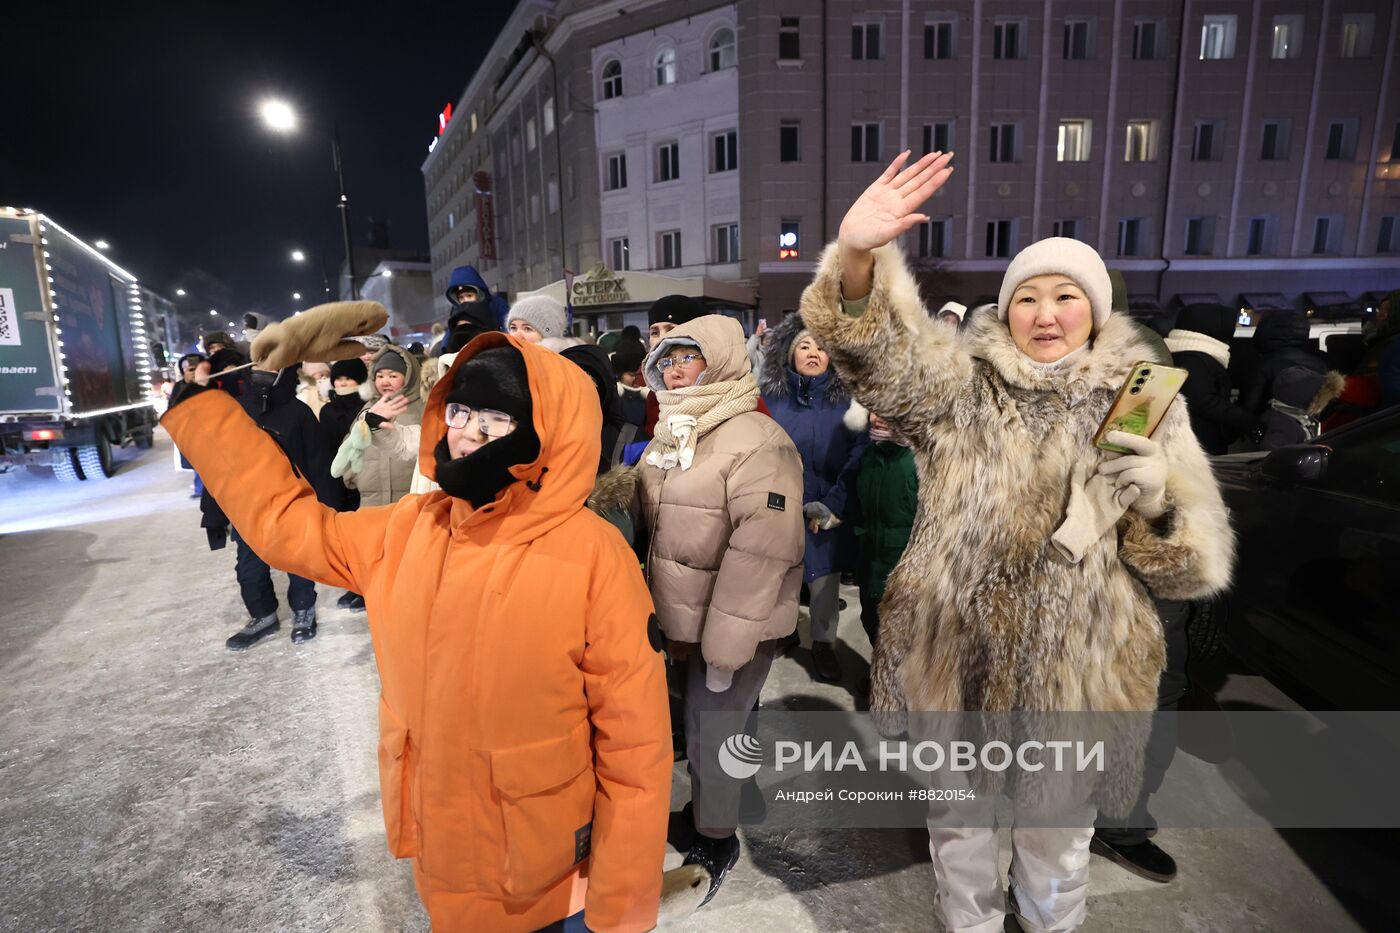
column 153, row 779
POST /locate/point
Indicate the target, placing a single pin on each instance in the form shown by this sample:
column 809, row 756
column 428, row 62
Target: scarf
column 688, row 414
column 1188, row 341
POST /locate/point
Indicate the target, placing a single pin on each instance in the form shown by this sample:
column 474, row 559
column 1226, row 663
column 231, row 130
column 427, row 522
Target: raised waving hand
column 885, row 210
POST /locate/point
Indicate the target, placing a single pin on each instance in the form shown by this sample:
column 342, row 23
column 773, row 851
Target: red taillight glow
column 44, row 434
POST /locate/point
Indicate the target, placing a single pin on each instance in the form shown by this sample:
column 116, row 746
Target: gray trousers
column 824, row 606
column 714, row 795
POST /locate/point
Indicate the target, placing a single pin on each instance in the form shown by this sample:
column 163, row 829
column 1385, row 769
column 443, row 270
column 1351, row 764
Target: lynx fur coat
column 981, row 614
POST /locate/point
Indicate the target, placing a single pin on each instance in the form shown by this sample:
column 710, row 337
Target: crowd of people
column 571, row 551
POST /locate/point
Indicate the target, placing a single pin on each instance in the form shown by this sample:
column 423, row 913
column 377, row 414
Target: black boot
column 252, row 633
column 788, row 642
column 824, row 660
column 716, row 856
column 346, row 599
column 303, row 625
column 1143, row 859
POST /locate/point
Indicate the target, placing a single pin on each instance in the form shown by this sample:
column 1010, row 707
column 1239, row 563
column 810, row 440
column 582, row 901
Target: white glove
column 1145, row 468
column 1093, row 511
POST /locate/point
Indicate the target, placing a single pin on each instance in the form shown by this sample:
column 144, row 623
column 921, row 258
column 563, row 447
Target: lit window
column 1074, row 141
column 787, row 239
column 1142, row 141
column 664, row 66
column 1218, row 37
column 1357, row 29
column 1287, row 37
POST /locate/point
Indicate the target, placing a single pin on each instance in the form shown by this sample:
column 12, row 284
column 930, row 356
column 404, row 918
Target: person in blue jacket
column 805, row 395
column 475, row 310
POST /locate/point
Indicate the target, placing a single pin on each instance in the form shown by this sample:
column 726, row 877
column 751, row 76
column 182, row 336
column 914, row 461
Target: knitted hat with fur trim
column 1063, row 256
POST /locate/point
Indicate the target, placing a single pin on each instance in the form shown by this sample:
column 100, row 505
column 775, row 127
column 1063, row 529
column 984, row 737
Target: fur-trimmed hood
column 776, row 378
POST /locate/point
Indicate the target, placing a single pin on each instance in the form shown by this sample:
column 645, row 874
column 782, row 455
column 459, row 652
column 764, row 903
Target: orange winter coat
column 525, row 750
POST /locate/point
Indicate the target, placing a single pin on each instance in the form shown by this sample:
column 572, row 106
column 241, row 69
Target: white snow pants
column 1049, row 871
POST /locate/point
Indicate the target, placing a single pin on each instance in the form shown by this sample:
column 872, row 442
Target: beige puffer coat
column 725, row 558
column 389, row 461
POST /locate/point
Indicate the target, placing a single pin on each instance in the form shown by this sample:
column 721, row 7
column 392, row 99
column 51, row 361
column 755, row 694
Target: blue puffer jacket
column 830, row 432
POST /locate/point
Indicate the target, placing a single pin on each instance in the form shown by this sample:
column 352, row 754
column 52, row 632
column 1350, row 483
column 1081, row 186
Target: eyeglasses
column 686, row 359
column 492, row 423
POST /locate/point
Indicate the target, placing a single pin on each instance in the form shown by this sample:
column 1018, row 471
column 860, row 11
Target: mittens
column 319, row 334
column 1093, row 511
column 1145, row 468
column 819, row 513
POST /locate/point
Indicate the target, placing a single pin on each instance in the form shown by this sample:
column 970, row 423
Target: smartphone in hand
column 1142, row 403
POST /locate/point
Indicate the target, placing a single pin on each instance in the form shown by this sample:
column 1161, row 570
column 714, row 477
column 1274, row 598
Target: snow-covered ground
column 153, row 779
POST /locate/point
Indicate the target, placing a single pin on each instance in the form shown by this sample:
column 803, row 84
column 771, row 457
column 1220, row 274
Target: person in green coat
column 887, row 494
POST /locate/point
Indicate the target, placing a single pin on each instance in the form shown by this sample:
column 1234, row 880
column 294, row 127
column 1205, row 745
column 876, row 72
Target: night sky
column 137, row 123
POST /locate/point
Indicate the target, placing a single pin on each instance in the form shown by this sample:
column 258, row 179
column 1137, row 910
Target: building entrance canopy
column 602, row 290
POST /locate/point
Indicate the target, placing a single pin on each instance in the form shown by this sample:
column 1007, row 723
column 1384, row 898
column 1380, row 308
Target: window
column 1145, row 33
column 620, row 255
column 1341, row 140
column 1079, row 39
column 514, row 147
column 670, row 249
column 934, row 237
column 1074, row 141
column 1066, row 228
column 789, row 39
column 530, row 137
column 534, row 208
column 1357, row 29
column 1261, row 240
column 865, row 142
column 570, row 189
column 664, row 66
column 1388, row 241
column 722, row 52
column 726, row 243
column 1200, row 236
column 617, row 172
column 790, row 141
column 725, row 149
column 1287, row 37
column 668, row 162
column 552, row 195
column 1006, row 39
column 938, row 40
column 1326, row 235
column 787, row 239
column 865, row 41
column 1000, row 236
column 451, row 219
column 473, row 124
column 1130, row 236
column 612, row 80
column 1207, row 144
column 548, row 115
column 1218, row 37
column 938, row 137
column 1273, row 146
column 1003, row 142
column 1142, row 141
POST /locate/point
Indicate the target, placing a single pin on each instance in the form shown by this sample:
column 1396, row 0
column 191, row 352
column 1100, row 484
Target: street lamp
column 298, row 256
column 213, row 313
column 296, row 296
column 180, row 292
column 103, row 245
column 279, row 117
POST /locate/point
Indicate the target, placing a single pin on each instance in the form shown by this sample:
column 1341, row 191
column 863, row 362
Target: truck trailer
column 76, row 361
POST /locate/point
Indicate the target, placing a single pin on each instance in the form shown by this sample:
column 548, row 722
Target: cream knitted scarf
column 689, row 414
column 1189, row 341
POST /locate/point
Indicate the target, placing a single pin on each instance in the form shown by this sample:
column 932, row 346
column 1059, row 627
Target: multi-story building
column 1243, row 149
column 405, row 289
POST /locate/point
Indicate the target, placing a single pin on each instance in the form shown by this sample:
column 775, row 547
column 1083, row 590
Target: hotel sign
column 599, row 286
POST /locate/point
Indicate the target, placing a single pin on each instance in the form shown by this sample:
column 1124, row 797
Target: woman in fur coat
column 1028, row 581
column 806, row 396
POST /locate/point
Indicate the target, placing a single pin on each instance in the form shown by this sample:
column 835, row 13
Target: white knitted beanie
column 542, row 313
column 1064, row 256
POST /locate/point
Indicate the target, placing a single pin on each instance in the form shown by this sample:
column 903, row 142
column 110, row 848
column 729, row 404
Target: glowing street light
column 298, row 256
column 296, row 296
column 213, row 313
column 103, row 245
column 388, row 273
column 278, row 115
column 180, row 292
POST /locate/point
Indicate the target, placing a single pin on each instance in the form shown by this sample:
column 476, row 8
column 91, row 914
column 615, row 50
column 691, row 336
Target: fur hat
column 494, row 378
column 542, row 313
column 674, row 309
column 217, row 336
column 349, row 369
column 792, row 347
column 1064, row 256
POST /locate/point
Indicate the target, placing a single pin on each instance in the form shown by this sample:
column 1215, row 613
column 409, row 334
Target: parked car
column 1315, row 604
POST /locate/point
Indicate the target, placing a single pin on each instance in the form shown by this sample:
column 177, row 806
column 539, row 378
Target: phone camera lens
column 1146, row 372
column 1135, row 390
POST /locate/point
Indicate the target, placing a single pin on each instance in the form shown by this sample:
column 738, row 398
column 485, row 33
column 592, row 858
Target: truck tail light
column 45, row 434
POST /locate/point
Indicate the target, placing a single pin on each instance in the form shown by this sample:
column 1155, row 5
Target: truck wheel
column 65, row 467
column 95, row 460
column 145, row 438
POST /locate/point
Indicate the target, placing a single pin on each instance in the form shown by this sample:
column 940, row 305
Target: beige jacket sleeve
column 764, row 492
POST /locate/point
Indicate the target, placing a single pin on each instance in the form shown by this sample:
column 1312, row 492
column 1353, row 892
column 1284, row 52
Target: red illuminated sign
column 444, row 118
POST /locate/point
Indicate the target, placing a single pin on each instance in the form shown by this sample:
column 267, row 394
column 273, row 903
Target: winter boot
column 303, row 625
column 716, row 856
column 1143, row 859
column 252, row 633
column 789, row 642
column 824, row 660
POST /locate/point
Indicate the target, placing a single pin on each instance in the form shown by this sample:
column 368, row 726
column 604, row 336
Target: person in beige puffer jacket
column 720, row 494
column 379, row 456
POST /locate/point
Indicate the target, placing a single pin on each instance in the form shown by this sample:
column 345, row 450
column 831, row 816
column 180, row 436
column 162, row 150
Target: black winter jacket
column 1215, row 418
column 1282, row 340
